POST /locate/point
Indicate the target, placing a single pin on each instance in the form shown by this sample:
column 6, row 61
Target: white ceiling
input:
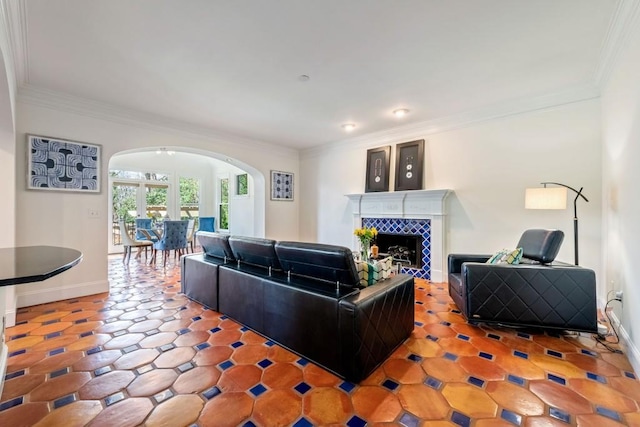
column 233, row 66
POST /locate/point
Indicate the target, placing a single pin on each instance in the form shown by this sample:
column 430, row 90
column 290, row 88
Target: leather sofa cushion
column 326, row 262
column 215, row 244
column 254, row 250
column 541, row 245
column 455, row 283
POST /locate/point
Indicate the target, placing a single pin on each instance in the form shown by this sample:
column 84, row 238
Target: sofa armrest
column 550, row 296
column 456, row 261
column 373, row 323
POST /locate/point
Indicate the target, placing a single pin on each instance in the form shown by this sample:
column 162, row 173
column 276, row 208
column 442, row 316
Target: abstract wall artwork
column 281, row 185
column 58, row 164
column 377, row 178
column 409, row 158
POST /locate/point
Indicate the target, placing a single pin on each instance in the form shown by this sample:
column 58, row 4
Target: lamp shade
column 545, row 198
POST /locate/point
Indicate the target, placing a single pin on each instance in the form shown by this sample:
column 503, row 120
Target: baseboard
column 28, row 298
column 629, row 348
column 4, row 355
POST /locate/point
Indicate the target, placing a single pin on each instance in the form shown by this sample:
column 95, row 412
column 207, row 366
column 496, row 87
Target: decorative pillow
column 373, row 272
column 506, row 256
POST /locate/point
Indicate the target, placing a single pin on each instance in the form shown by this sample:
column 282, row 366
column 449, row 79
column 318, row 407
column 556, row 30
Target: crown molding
column 33, row 95
column 16, row 18
column 625, row 18
column 462, row 120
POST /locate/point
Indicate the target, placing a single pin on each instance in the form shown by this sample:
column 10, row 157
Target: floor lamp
column 555, row 198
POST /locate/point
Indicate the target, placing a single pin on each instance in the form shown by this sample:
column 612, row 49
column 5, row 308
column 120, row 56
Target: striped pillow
column 506, row 256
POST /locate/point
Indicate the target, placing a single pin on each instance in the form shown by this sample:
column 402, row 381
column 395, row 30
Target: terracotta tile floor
column 145, row 354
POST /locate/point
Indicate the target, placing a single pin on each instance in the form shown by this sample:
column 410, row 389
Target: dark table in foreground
column 35, row 263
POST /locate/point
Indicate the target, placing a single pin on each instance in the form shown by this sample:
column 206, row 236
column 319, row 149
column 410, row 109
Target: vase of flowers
column 365, row 235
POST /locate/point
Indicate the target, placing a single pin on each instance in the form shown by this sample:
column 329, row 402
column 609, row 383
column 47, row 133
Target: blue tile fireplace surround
column 403, row 226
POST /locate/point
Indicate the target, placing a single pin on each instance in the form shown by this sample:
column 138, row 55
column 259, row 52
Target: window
column 242, row 185
column 223, row 205
column 189, row 198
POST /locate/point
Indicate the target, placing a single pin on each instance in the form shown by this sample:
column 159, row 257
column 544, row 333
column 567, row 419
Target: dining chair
column 174, row 237
column 143, row 224
column 191, row 235
column 129, row 243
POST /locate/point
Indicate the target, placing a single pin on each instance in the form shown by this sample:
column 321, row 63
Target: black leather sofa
column 305, row 297
column 535, row 293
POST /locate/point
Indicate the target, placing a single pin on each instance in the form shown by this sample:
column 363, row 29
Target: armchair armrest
column 456, row 260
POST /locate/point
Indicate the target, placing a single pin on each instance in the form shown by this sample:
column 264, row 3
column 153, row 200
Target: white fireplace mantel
column 415, row 204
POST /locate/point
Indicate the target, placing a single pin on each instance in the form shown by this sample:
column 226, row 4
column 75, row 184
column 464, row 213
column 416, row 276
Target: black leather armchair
column 534, row 293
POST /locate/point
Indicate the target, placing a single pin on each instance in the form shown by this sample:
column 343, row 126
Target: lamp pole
column 575, row 214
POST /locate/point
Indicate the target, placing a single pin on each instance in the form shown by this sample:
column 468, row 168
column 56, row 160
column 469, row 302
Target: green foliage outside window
column 242, row 184
column 224, row 204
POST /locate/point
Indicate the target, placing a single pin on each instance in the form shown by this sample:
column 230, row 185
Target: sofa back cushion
column 215, row 244
column 541, row 245
column 254, row 250
column 325, row 262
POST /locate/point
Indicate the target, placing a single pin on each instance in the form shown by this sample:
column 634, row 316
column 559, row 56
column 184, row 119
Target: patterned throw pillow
column 373, row 272
column 506, row 256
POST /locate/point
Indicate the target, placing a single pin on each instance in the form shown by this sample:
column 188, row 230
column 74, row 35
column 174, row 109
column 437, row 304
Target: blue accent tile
column 195, row 319
column 249, row 424
column 520, row 354
column 186, row 367
column 119, row 333
column 511, row 417
column 144, row 369
column 476, row 381
column 356, row 421
column 130, row 349
column 494, row 337
column 211, row 393
column 419, row 303
column 114, row 398
column 77, row 322
column 169, row 319
column 17, row 337
column 163, row 395
column 59, row 403
column 557, row 379
column 460, row 419
column 48, row 311
column 77, row 311
column 456, row 311
column 214, row 330
column 445, row 323
column 226, row 365
column 59, row 373
column 303, row 422
column 486, row 355
column 462, row 337
column 203, row 345
column 630, row 375
column 86, row 334
column 269, row 343
column 302, row 388
column 433, row 383
column 184, row 331
column 390, row 384
column 223, row 317
column 257, row 390
column 15, row 374
column 22, row 322
column 49, row 322
column 94, row 350
column 167, row 347
column 52, row 335
column 244, row 329
column 559, row 414
column 589, row 352
column 450, row 356
column 554, row 353
column 102, row 371
column 237, row 344
column 523, row 335
column 265, row 363
column 432, row 338
column 347, row 386
column 17, row 353
column 11, row 403
column 431, row 312
column 596, row 377
column 409, row 420
column 414, row 358
column 418, row 323
column 608, row 413
column 516, row 380
column 302, row 362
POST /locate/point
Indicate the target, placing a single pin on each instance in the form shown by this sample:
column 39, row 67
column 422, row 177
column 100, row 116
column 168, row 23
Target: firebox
column 405, row 249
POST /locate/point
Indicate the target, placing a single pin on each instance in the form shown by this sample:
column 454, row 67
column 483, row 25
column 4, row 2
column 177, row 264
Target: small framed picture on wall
column 409, row 160
column 377, row 178
column 281, row 185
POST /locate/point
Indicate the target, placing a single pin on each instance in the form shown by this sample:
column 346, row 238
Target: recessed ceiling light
column 303, row 78
column 400, row 112
column 348, row 127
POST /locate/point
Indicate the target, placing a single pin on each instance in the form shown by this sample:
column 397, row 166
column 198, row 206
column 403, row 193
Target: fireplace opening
column 405, row 249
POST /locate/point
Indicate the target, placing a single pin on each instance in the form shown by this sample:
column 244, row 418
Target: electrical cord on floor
column 602, row 339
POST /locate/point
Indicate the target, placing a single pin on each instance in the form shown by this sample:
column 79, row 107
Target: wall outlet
column 93, row 213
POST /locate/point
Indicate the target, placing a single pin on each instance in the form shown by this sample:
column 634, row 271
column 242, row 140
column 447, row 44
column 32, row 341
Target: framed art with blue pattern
column 58, row 164
column 281, row 185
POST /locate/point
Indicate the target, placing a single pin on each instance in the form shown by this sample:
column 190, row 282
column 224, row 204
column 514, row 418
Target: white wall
column 621, row 196
column 60, row 218
column 488, row 166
